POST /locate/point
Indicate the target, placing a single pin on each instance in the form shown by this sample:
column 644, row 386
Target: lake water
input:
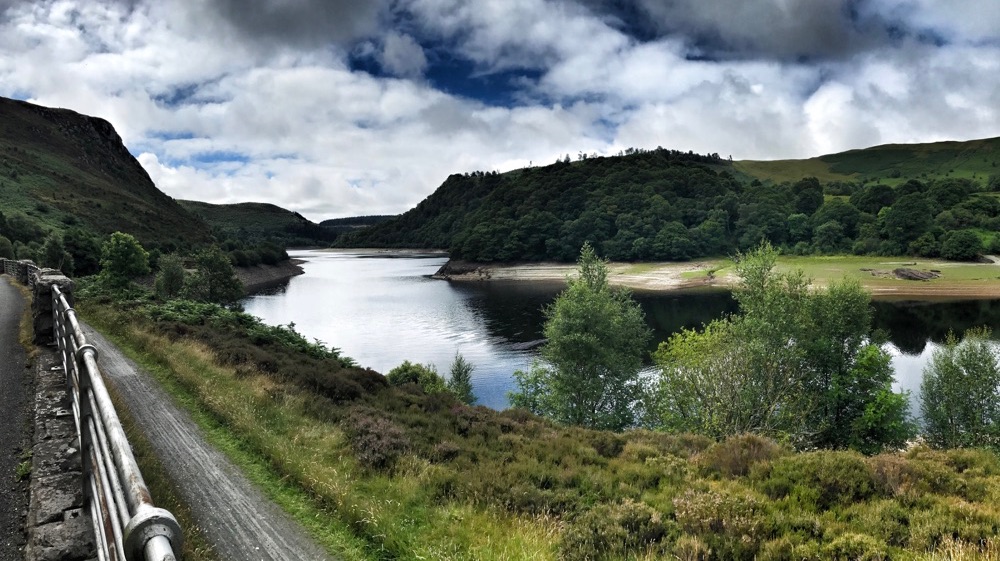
column 383, row 310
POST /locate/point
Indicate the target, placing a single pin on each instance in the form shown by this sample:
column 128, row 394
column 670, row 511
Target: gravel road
column 236, row 518
column 15, row 388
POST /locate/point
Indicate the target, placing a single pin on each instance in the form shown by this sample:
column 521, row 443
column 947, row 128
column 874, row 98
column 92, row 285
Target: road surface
column 236, row 518
column 15, row 387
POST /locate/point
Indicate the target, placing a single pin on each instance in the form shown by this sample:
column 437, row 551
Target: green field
column 890, row 164
column 957, row 279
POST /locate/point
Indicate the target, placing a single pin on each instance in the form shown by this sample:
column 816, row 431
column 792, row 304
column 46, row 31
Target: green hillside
column 260, row 223
column 928, row 200
column 356, row 222
column 891, row 164
column 60, row 170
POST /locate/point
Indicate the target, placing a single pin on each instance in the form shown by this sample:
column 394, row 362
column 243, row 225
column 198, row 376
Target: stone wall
column 21, row 270
column 59, row 527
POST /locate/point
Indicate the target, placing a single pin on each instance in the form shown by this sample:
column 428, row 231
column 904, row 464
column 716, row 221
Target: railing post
column 41, row 307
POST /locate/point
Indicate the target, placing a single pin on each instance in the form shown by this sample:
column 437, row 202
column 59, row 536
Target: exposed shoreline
column 957, row 280
column 260, row 277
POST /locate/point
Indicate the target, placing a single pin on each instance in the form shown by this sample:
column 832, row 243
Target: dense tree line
column 666, row 205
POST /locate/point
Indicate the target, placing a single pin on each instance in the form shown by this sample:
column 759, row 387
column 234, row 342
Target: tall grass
column 358, row 515
column 393, row 473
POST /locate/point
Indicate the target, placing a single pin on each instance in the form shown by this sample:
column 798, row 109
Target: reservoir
column 381, row 309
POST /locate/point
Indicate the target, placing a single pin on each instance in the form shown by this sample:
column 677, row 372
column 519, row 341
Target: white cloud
column 403, row 56
column 225, row 107
column 967, row 21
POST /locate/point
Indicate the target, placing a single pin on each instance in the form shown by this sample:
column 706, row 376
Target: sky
column 336, row 108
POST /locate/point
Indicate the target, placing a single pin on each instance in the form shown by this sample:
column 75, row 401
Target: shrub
column 613, row 531
column 819, row 479
column 980, row 462
column 733, row 524
column 690, row 548
column 445, row 451
column 855, row 547
column 735, row 456
column 424, row 376
column 377, row 442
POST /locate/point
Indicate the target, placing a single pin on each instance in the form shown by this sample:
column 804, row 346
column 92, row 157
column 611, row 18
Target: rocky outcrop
column 259, row 277
column 913, row 274
column 465, row 269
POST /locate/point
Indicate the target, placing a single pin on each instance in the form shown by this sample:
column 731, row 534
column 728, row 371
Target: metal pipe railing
column 127, row 526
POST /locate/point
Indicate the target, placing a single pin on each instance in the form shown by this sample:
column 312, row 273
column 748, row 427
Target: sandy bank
column 637, row 276
column 955, row 281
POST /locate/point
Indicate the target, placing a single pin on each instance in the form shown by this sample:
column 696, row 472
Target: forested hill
column 661, row 204
column 62, row 171
column 258, row 223
column 548, row 212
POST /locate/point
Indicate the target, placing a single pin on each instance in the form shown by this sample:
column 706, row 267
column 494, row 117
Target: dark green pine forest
column 649, row 205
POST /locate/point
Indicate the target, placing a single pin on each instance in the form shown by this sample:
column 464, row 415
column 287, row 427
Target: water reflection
column 911, row 324
column 382, row 311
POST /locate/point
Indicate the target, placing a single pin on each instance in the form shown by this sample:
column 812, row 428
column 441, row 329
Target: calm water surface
column 383, row 310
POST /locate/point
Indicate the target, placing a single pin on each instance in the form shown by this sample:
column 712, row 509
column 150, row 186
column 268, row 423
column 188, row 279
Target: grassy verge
column 257, row 468
column 301, row 463
column 26, row 331
column 395, row 473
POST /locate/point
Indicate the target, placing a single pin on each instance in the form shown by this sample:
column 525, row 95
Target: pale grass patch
column 26, row 332
column 951, row 549
column 491, row 537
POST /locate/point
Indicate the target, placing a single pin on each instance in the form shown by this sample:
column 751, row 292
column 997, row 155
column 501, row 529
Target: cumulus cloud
column 226, row 103
column 740, row 29
column 403, row 56
column 972, row 21
column 300, row 22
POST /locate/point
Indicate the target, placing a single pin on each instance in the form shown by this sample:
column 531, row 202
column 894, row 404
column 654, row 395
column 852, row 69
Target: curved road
column 236, row 518
column 14, row 406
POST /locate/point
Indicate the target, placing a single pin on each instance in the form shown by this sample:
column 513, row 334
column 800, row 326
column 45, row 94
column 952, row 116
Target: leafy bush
column 377, row 442
column 960, row 392
column 855, row 547
column 733, row 524
column 424, row 376
column 737, row 454
column 614, row 531
column 819, row 480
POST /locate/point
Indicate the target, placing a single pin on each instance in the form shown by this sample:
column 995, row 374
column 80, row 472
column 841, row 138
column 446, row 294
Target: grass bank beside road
column 394, row 473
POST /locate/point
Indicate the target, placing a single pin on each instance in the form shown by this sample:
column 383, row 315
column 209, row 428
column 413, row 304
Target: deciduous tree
column 123, row 258
column 215, row 280
column 170, row 278
column 589, row 372
column 794, row 365
column 960, row 393
column 6, row 248
column 963, row 245
column 460, row 381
